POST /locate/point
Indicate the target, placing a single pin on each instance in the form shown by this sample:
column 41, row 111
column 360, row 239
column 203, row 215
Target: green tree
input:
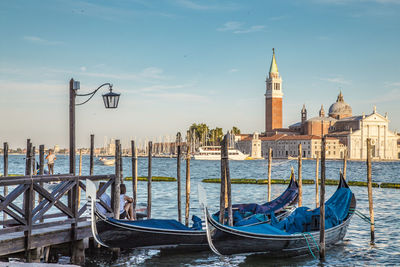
column 235, row 130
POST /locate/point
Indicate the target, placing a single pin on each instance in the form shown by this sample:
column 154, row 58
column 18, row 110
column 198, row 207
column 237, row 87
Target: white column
column 379, row 141
column 385, row 140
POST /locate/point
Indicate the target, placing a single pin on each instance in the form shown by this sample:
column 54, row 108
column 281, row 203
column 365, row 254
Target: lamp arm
column 91, row 94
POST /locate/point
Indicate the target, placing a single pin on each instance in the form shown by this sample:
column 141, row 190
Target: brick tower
column 273, row 97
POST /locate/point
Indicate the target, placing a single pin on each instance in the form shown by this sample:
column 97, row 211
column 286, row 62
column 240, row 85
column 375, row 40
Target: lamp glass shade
column 111, row 100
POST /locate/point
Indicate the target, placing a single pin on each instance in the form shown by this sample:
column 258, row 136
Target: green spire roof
column 274, row 66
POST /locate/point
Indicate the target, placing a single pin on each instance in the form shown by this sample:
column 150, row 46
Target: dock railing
column 53, row 208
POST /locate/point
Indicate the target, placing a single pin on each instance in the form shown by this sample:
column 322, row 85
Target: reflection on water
column 354, row 250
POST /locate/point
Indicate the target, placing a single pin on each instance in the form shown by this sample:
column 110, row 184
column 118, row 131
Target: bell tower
column 273, row 97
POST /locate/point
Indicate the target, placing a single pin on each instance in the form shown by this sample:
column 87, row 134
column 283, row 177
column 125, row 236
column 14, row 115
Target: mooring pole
column 316, row 181
column 80, row 162
column 322, row 205
column 269, row 173
column 223, row 186
column 300, row 180
column 5, row 173
column 225, row 156
column 117, row 182
column 41, row 170
column 34, row 171
column 344, row 163
column 187, row 186
column 134, row 177
column 28, row 202
column 149, row 181
column 369, row 180
column 178, row 177
column 91, row 165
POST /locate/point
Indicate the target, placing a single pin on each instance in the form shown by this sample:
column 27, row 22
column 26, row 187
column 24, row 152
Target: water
column 355, row 250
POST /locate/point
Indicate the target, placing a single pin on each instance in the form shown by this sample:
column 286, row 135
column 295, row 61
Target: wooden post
column 34, row 171
column 5, row 173
column 80, row 162
column 317, row 182
column 228, row 180
column 369, row 180
column 120, row 164
column 134, row 177
column 28, row 201
column 178, row 178
column 222, row 201
column 344, row 163
column 41, row 171
column 91, row 165
column 269, row 173
column 300, row 180
column 149, row 181
column 187, row 186
column 117, row 182
column 322, row 205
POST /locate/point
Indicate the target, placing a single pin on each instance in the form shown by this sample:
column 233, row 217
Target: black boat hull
column 119, row 234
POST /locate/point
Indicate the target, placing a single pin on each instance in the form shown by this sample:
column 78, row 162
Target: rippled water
column 355, row 250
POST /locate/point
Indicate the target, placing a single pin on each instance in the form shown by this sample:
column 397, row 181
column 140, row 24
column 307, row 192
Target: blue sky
column 176, row 62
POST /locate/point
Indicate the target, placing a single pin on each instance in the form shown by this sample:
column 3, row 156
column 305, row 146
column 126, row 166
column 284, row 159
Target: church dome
column 340, row 109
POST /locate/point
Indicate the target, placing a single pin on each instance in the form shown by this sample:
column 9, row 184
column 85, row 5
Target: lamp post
column 110, row 100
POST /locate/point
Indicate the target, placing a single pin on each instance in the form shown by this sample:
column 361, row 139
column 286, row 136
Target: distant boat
column 107, row 161
column 214, row 153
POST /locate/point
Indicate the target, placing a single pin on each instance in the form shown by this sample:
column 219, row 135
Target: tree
column 235, row 130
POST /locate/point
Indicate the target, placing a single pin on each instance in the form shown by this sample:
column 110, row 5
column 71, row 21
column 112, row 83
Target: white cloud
column 233, row 70
column 38, row 40
column 392, row 84
column 202, row 5
column 83, row 68
column 239, row 28
column 337, row 79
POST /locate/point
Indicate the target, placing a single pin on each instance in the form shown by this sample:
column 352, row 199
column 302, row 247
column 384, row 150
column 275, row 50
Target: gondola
column 162, row 233
column 298, row 234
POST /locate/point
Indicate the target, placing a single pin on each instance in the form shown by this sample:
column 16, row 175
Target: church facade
column 346, row 134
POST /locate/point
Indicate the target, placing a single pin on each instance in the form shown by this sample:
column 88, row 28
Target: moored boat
column 295, row 235
column 214, row 153
column 161, row 233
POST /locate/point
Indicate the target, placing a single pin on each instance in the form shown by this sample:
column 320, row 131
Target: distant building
column 56, row 148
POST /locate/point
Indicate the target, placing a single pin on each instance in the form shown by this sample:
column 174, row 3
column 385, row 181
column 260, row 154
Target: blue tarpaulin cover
column 336, row 210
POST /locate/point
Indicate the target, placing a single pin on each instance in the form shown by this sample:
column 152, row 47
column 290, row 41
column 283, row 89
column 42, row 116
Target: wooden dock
column 40, row 216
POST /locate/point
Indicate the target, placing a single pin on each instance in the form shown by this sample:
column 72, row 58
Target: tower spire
column 274, row 67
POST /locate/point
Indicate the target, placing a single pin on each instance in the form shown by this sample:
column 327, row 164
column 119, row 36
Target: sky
column 178, row 62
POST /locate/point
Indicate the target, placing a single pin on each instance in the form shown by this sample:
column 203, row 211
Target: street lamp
column 110, row 100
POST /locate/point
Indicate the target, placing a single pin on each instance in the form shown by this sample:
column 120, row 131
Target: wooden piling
column 28, row 202
column 5, row 174
column 34, row 171
column 344, row 163
column 269, row 173
column 120, row 164
column 369, row 181
column 300, row 180
column 149, row 181
column 41, row 170
column 178, row 178
column 187, row 186
column 322, row 205
column 91, row 164
column 116, row 188
column 317, row 182
column 80, row 162
column 134, row 177
column 223, row 187
column 228, row 181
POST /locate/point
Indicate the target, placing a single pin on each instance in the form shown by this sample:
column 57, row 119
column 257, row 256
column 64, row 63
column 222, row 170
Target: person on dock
column 105, row 198
column 125, row 204
column 51, row 157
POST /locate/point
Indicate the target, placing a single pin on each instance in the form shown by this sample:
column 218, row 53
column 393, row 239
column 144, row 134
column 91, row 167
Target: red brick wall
column 273, row 113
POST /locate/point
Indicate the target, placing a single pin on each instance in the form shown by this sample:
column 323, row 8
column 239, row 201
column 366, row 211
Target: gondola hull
column 225, row 240
column 229, row 241
column 122, row 235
